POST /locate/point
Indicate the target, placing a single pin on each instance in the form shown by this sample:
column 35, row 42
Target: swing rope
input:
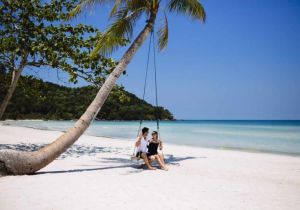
column 145, row 84
column 156, row 92
column 156, row 87
column 157, row 113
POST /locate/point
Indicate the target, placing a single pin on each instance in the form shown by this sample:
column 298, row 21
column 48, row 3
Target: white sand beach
column 96, row 173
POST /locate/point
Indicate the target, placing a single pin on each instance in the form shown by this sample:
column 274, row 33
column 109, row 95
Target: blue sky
column 243, row 63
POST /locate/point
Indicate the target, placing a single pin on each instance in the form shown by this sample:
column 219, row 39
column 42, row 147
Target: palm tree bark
column 14, row 81
column 17, row 163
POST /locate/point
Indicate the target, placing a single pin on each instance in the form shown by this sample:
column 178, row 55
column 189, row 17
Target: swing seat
column 134, row 158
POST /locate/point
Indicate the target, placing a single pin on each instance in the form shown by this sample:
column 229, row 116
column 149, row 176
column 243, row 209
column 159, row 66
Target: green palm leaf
column 163, row 34
column 115, row 8
column 107, row 44
column 84, row 4
column 124, row 19
column 192, row 8
column 125, row 13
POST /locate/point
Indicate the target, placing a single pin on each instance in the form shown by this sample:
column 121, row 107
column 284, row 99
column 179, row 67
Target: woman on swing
column 153, row 154
column 149, row 156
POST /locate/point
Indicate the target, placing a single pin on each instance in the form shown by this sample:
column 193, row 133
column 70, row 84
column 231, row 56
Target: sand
column 97, row 173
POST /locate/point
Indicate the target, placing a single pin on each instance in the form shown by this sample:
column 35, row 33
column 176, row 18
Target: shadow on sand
column 73, row 151
column 79, row 150
column 123, row 163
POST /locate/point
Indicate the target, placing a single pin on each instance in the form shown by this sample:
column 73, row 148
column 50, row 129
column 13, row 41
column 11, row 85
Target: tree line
column 37, row 99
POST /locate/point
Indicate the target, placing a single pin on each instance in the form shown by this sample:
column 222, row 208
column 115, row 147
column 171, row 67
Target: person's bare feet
column 165, row 168
column 151, row 168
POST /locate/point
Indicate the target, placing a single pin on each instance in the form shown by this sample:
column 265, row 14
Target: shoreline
column 204, row 120
column 258, row 151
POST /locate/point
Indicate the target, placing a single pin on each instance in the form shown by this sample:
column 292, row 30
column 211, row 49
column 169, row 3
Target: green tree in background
column 32, row 35
column 36, row 99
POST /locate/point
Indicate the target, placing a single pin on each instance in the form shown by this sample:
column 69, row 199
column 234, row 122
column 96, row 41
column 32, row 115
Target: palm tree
column 124, row 15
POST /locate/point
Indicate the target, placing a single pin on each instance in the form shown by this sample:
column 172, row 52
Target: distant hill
column 37, row 99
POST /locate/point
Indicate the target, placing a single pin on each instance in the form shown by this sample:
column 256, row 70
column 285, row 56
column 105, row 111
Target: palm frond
column 84, row 4
column 115, row 8
column 163, row 34
column 74, row 12
column 134, row 5
column 124, row 23
column 106, row 44
column 131, row 5
column 192, row 8
column 124, row 15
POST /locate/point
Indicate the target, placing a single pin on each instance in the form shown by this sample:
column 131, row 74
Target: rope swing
column 155, row 83
column 157, row 114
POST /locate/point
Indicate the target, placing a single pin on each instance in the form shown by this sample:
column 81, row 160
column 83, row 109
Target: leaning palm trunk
column 17, row 163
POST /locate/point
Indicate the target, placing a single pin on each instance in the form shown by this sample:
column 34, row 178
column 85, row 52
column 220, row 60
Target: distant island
column 37, row 99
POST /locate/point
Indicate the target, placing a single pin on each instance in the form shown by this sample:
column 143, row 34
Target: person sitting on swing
column 142, row 148
column 142, row 151
column 153, row 154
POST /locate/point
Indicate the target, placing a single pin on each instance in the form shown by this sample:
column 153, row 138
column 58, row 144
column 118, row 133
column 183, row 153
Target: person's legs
column 145, row 158
column 151, row 158
column 161, row 164
column 162, row 158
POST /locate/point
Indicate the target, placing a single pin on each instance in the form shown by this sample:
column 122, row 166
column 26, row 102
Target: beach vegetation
column 37, row 99
column 34, row 36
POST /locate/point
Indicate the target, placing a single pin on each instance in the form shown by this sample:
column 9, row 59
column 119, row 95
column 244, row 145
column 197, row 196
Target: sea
column 271, row 136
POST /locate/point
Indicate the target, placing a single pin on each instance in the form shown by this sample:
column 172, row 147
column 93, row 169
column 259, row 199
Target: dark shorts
column 149, row 154
column 139, row 154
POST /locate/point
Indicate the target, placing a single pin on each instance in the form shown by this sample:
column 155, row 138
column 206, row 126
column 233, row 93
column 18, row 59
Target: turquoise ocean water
column 259, row 136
